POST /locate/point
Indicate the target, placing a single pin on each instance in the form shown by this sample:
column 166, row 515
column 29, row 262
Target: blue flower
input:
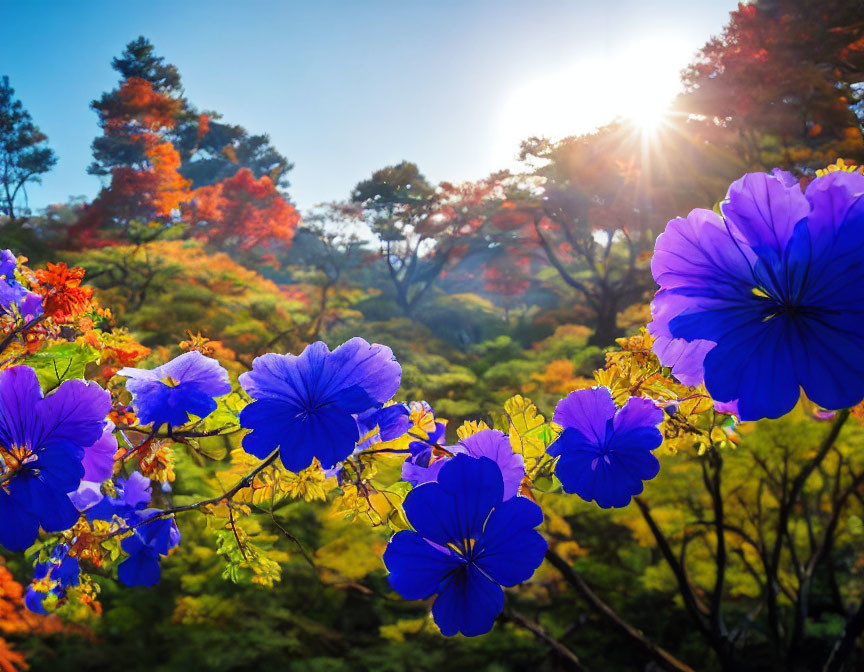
column 14, row 297
column 42, row 444
column 52, row 577
column 149, row 540
column 307, row 405
column 605, row 453
column 468, row 543
column 151, row 535
column 768, row 299
column 184, row 386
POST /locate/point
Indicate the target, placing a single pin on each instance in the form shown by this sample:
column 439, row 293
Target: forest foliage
column 498, row 297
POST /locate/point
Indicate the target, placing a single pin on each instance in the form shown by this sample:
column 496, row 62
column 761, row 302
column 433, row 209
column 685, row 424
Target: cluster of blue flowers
column 757, row 303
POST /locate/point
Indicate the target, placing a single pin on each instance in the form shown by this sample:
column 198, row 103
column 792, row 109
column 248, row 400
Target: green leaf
column 61, row 362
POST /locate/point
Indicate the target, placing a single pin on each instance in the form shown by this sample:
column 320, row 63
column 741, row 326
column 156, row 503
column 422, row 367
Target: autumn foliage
column 146, row 189
column 244, row 212
column 64, row 297
column 136, row 105
column 17, row 620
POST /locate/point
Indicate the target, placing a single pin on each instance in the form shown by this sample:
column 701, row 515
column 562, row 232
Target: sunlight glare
column 637, row 84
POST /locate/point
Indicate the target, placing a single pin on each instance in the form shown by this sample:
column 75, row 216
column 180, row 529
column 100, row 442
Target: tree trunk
column 606, row 323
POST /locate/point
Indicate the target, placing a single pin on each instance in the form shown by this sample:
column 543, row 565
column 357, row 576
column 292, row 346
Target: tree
column 591, row 205
column 242, row 213
column 507, row 275
column 213, row 151
column 164, row 159
column 326, row 253
column 421, row 229
column 24, row 151
column 590, row 221
column 146, row 189
column 150, row 97
column 210, row 150
column 781, row 85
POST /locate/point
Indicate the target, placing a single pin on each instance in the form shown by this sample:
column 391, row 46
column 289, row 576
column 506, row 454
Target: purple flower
column 605, row 453
column 133, row 494
column 768, row 299
column 307, row 405
column 98, row 465
column 469, row 541
column 486, row 443
column 14, row 297
column 42, row 445
column 171, row 392
column 99, row 458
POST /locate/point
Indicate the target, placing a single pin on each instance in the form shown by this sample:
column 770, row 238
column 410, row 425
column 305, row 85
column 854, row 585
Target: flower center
column 596, row 461
column 169, row 381
column 12, row 459
column 778, row 303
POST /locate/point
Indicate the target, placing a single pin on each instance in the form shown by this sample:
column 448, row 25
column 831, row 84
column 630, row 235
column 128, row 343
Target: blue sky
column 343, row 88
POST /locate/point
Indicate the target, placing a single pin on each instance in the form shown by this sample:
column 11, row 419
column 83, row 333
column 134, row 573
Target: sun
column 637, row 84
column 650, row 116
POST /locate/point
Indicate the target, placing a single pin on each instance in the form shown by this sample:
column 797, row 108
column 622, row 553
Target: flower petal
column 74, row 414
column 140, row 569
column 19, row 395
column 763, row 209
column 99, row 457
column 587, row 412
column 455, row 508
column 496, row 446
column 18, row 527
column 468, row 603
column 602, row 479
column 416, row 567
column 510, row 549
column 52, row 508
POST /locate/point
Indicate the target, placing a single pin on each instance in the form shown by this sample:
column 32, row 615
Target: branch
column 565, row 275
column 540, row 633
column 665, row 659
column 693, row 608
column 854, row 627
column 187, row 434
column 21, row 330
column 244, row 482
column 714, row 486
column 786, row 505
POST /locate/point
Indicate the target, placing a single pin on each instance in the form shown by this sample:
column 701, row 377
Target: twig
column 854, row 627
column 665, row 659
column 565, row 654
column 20, row 330
column 244, row 482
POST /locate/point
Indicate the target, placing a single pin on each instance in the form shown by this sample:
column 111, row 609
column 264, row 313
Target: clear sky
column 343, row 88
